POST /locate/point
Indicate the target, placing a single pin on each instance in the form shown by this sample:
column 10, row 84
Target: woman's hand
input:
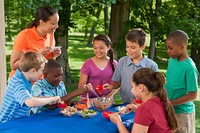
column 45, row 51
column 115, row 118
column 56, row 53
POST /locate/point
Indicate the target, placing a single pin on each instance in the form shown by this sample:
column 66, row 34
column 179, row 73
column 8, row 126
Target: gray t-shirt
column 124, row 71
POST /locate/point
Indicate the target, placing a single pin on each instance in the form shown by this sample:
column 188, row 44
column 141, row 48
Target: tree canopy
column 114, row 17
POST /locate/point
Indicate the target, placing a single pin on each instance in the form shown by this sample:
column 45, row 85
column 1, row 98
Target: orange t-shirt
column 29, row 40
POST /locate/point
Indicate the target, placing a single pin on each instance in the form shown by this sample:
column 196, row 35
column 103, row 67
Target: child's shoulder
column 124, row 59
column 148, row 61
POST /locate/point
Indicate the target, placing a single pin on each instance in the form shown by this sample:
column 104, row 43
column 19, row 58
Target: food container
column 68, row 111
column 87, row 113
column 102, row 103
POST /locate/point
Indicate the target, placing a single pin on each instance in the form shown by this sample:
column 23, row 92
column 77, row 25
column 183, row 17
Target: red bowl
column 138, row 101
column 106, row 114
column 62, row 105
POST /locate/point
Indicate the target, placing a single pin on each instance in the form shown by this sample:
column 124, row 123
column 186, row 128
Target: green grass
column 79, row 51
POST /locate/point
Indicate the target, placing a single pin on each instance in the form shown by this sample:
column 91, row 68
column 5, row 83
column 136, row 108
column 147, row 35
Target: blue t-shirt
column 181, row 78
column 124, row 72
column 17, row 92
column 42, row 88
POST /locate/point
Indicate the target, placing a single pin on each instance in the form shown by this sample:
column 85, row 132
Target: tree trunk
column 153, row 27
column 119, row 15
column 86, row 28
column 195, row 55
column 152, row 47
column 106, row 19
column 63, row 58
column 62, row 39
column 93, row 26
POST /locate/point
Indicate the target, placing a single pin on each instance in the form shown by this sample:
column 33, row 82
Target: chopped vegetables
column 86, row 113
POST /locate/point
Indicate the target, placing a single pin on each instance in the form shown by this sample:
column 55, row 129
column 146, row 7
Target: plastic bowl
column 102, row 103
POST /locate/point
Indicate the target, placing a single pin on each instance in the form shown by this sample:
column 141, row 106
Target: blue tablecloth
column 55, row 122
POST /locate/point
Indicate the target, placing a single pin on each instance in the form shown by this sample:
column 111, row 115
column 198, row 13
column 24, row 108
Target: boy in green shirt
column 181, row 81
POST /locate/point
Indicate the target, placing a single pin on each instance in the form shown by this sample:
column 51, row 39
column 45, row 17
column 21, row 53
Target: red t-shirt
column 29, row 40
column 152, row 114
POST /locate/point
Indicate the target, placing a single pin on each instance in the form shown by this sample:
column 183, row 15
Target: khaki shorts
column 186, row 123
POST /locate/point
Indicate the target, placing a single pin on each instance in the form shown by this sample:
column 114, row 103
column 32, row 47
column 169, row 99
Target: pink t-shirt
column 152, row 114
column 96, row 76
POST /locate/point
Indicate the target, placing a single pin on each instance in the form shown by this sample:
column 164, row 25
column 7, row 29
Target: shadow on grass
column 79, row 51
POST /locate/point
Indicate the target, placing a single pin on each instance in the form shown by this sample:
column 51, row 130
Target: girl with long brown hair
column 155, row 114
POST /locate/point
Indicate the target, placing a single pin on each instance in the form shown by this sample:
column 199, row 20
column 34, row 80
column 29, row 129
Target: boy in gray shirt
column 128, row 65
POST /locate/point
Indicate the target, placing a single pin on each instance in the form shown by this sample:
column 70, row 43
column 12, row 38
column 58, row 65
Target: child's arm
column 191, row 96
column 73, row 94
column 68, row 97
column 37, row 101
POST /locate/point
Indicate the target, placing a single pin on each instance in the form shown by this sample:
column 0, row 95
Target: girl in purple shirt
column 99, row 69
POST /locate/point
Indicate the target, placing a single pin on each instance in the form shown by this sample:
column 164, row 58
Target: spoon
column 94, row 92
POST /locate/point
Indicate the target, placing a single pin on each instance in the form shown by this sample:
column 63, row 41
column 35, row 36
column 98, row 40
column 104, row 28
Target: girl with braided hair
column 156, row 114
column 98, row 69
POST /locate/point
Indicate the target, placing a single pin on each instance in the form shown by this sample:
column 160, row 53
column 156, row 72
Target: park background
column 81, row 20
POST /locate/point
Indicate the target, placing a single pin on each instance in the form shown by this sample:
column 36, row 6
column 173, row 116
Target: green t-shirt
column 181, row 78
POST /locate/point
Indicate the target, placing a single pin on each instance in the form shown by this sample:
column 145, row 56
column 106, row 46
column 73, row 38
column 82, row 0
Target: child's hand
column 55, row 100
column 115, row 118
column 107, row 86
column 131, row 107
column 89, row 86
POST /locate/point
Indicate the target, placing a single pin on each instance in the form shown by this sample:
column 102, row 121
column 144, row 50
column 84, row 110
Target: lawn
column 79, row 52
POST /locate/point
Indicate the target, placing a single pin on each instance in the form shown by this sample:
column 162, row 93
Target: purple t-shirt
column 97, row 76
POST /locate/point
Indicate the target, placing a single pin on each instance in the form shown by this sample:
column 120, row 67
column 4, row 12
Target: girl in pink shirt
column 99, row 69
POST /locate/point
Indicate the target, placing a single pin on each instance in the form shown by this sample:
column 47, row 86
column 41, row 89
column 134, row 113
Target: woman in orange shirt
column 38, row 37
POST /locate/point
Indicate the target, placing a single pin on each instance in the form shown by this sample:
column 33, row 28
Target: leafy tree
column 187, row 20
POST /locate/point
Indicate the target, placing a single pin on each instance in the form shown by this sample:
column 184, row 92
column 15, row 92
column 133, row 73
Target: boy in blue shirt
column 52, row 85
column 17, row 99
column 128, row 65
column 181, row 81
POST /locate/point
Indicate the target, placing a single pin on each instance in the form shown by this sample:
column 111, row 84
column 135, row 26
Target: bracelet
column 85, row 87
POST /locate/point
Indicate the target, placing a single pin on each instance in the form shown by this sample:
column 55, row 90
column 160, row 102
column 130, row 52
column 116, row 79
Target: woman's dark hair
column 43, row 13
column 136, row 35
column 107, row 41
column 154, row 82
